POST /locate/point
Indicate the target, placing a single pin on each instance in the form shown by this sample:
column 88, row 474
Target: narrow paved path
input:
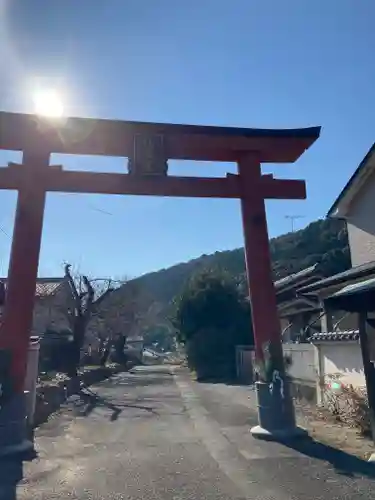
column 154, row 435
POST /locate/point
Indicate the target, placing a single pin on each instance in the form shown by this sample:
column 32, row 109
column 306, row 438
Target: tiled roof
column 44, row 289
column 44, row 286
column 356, row 297
column 287, row 280
column 363, row 270
column 356, row 288
column 293, row 278
column 335, row 336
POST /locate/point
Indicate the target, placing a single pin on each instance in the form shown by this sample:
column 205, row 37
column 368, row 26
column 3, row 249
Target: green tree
column 212, row 317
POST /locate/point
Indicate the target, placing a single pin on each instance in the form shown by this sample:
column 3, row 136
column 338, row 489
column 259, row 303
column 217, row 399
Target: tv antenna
column 293, row 218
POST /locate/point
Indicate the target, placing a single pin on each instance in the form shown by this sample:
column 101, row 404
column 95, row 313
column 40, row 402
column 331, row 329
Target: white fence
column 344, row 361
column 312, row 366
column 303, row 361
column 302, row 370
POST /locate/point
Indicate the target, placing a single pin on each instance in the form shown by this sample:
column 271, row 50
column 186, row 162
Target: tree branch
column 90, row 292
column 100, row 299
column 72, row 285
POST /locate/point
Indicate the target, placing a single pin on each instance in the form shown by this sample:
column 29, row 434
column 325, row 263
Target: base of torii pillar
column 276, row 414
column 14, row 431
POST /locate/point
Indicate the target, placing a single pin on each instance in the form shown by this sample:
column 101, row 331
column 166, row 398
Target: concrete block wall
column 313, row 365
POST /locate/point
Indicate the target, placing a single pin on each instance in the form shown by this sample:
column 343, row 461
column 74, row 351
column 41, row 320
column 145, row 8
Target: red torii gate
column 148, row 146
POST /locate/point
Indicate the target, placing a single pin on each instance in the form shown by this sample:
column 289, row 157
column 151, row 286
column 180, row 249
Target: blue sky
column 217, row 62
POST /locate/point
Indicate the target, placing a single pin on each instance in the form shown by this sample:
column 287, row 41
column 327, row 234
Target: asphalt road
column 154, row 435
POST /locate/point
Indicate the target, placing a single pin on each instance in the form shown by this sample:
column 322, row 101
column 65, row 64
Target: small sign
column 148, row 155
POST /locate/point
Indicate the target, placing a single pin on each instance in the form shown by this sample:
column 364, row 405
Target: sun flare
column 48, row 103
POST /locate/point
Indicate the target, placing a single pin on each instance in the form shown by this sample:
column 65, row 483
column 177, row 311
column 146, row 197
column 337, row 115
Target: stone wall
column 50, row 396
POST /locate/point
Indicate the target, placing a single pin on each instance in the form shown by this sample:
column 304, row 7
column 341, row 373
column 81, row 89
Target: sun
column 48, row 103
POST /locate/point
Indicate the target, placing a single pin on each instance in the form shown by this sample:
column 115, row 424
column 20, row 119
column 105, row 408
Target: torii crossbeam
column 148, row 146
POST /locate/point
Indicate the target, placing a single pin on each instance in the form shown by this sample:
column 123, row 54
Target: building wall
column 303, row 362
column 50, row 311
column 304, row 322
column 334, row 320
column 244, row 364
column 332, row 317
column 344, row 321
column 288, row 328
column 314, row 364
column 284, row 323
column 361, row 225
column 343, row 359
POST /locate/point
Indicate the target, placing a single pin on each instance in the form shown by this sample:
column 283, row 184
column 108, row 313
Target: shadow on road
column 344, row 463
column 93, row 400
column 229, row 381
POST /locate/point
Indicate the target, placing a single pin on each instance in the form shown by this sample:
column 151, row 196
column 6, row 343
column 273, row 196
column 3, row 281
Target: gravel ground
column 151, row 435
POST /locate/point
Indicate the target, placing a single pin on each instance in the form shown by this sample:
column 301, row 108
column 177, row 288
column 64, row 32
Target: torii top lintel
column 87, row 136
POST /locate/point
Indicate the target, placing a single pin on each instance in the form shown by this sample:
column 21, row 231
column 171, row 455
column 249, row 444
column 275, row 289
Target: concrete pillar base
column 25, row 447
column 14, row 436
column 278, row 434
column 276, row 412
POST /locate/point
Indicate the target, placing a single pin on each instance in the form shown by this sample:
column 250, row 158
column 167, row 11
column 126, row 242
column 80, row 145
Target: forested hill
column 323, row 241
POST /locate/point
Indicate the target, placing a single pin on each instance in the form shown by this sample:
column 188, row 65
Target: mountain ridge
column 324, row 241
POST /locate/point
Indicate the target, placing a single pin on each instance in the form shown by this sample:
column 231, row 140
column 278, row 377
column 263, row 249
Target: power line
column 292, row 218
column 92, row 207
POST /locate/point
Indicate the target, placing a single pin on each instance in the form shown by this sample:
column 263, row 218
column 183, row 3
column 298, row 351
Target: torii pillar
column 275, row 404
column 148, row 147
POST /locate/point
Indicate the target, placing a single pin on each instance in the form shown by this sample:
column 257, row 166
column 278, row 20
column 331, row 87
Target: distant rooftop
column 347, row 335
column 357, row 181
column 363, row 270
column 292, row 278
column 44, row 286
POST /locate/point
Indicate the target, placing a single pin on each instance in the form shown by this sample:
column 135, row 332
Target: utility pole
column 292, row 218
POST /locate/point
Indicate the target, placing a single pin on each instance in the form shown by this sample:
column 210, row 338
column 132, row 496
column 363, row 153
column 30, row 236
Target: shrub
column 348, row 404
column 212, row 317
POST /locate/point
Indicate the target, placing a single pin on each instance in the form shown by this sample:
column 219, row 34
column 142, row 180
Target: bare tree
column 110, row 310
column 86, row 297
column 118, row 317
column 128, row 311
